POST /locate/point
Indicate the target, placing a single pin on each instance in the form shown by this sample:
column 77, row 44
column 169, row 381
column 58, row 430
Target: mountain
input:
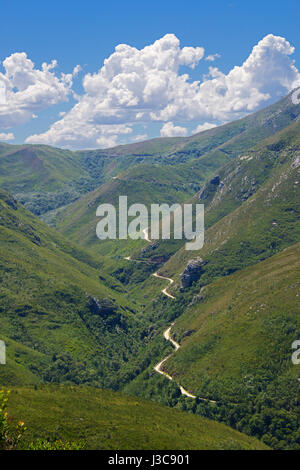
column 144, row 184
column 170, row 178
column 238, row 297
column 236, row 340
column 252, row 208
column 62, row 317
column 74, row 311
column 45, row 178
column 41, row 177
column 251, row 213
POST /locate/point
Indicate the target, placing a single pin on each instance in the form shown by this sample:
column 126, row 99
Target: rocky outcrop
column 296, row 162
column 210, row 188
column 192, row 272
column 107, row 312
column 103, row 307
column 150, row 247
column 215, row 180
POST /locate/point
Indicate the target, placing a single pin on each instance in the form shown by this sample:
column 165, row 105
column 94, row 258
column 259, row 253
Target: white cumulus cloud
column 169, row 130
column 6, row 136
column 139, row 86
column 131, row 86
column 28, row 89
column 204, row 127
column 212, row 57
column 140, row 138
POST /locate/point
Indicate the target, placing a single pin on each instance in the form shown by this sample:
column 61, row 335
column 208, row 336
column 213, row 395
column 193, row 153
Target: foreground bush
column 11, row 435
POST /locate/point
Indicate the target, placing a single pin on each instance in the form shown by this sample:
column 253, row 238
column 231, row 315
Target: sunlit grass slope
column 108, row 420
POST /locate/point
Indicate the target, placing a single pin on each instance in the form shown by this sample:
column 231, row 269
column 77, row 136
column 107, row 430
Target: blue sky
column 86, row 33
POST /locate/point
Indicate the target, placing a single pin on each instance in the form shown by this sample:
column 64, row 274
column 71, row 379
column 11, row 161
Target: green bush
column 10, row 434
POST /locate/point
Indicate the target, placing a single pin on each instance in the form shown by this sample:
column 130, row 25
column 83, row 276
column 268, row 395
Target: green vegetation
column 252, row 212
column 102, row 419
column 10, row 435
column 74, row 312
column 41, row 177
column 143, row 184
column 236, row 349
column 236, row 338
column 237, row 333
column 168, row 175
column 62, row 317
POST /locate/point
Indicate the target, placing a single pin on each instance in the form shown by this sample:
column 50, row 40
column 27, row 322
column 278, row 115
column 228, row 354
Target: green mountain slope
column 236, row 347
column 251, row 213
column 236, row 325
column 252, row 209
column 42, row 177
column 32, row 167
column 65, row 319
column 171, row 177
column 62, row 317
column 143, row 184
column 108, row 420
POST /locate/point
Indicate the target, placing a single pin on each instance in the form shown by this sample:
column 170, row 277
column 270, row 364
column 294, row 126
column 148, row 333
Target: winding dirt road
column 171, row 281
column 158, row 367
column 164, row 291
column 167, row 332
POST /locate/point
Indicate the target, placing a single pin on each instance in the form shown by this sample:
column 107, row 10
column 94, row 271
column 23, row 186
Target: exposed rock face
column 192, row 272
column 197, row 298
column 103, row 307
column 151, row 246
column 107, row 311
column 296, row 162
column 215, row 180
column 209, row 189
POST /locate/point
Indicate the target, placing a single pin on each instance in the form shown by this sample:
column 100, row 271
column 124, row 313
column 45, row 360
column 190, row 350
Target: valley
column 143, row 329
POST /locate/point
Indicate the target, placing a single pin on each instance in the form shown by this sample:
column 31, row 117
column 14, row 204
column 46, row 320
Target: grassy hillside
column 237, row 325
column 62, row 317
column 42, row 177
column 252, row 211
column 108, row 420
column 167, row 175
column 26, row 168
column 242, row 322
column 73, row 316
column 236, row 339
column 143, row 184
